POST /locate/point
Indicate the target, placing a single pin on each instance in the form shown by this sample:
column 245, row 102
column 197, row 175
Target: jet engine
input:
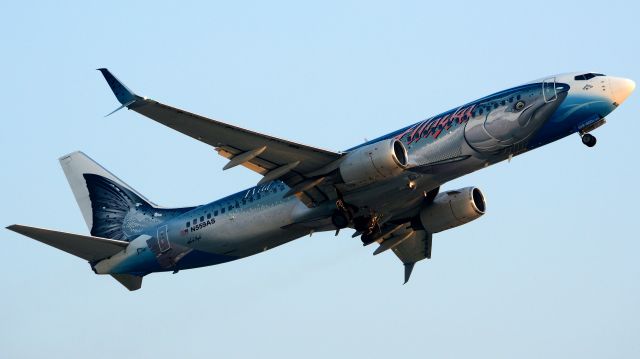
column 453, row 208
column 373, row 162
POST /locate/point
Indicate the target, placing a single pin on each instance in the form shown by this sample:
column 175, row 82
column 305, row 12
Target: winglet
column 125, row 96
column 408, row 268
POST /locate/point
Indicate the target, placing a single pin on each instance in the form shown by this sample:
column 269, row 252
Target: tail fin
column 110, row 207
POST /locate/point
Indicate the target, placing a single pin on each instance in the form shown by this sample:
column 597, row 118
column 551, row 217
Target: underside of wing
column 408, row 244
column 272, row 157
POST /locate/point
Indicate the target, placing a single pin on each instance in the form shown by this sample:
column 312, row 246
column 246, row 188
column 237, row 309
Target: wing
column 272, row 157
column 409, row 245
column 414, row 249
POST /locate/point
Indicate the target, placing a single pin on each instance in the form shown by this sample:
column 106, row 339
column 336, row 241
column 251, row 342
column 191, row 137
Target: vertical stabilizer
column 75, row 165
column 110, row 207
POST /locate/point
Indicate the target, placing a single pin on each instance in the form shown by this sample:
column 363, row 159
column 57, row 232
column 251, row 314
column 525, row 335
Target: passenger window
column 208, row 215
column 244, row 201
column 237, row 204
column 188, row 224
column 201, row 218
column 503, row 102
column 215, row 213
column 222, row 210
column 195, row 220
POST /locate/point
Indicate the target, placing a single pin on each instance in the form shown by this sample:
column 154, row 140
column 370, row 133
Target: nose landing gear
column 589, row 140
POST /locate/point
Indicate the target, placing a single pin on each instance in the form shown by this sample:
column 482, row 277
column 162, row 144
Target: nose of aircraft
column 621, row 88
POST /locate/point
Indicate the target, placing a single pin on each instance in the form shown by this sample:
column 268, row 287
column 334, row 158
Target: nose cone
column 621, row 88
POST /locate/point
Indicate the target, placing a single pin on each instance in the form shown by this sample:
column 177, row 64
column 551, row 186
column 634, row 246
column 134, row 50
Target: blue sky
column 551, row 271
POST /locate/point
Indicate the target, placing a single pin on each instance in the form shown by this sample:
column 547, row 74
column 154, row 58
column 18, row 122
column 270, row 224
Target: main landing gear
column 589, row 140
column 367, row 226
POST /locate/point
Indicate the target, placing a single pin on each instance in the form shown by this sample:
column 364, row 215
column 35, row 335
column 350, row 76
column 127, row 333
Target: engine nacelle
column 453, row 208
column 374, row 162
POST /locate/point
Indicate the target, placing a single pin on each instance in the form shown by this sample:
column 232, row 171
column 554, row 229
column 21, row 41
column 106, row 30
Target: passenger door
column 163, row 239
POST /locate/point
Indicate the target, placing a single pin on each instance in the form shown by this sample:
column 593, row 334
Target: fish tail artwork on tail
column 110, row 207
column 114, row 213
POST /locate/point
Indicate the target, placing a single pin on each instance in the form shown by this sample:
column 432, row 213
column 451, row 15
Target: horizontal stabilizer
column 132, row 282
column 86, row 247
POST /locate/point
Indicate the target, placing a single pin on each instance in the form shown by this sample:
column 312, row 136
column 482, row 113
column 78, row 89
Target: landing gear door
column 163, row 239
column 549, row 90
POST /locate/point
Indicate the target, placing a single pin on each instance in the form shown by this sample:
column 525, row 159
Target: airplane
column 387, row 190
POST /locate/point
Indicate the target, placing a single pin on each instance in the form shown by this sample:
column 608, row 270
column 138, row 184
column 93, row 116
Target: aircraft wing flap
column 230, row 140
column 415, row 248
column 255, row 164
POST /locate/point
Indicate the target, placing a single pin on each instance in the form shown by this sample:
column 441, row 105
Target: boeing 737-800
column 387, row 189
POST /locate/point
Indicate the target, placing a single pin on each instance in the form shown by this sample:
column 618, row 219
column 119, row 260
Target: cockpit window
column 587, row 76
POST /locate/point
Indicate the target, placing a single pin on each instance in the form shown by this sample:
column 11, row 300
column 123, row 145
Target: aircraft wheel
column 589, row 140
